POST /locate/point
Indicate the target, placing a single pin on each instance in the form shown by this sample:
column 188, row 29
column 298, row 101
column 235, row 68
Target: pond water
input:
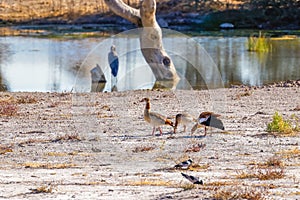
column 39, row 64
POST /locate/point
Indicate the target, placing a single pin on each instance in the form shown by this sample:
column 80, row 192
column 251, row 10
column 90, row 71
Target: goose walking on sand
column 208, row 119
column 183, row 119
column 155, row 119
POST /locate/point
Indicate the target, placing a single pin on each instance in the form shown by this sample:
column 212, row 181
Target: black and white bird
column 208, row 119
column 185, row 164
column 192, row 179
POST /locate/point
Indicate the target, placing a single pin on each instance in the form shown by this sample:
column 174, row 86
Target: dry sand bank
column 97, row 146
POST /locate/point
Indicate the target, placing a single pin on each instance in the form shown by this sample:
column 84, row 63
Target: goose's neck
column 147, row 108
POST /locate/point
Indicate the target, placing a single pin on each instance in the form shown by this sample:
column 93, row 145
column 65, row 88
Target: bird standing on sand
column 113, row 60
column 185, row 164
column 155, row 119
column 192, row 179
column 208, row 119
column 183, row 119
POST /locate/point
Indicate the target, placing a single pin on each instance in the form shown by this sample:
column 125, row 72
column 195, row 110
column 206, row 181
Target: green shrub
column 280, row 125
column 259, row 44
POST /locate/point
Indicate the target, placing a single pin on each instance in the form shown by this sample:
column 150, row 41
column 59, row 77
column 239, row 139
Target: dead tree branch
column 150, row 37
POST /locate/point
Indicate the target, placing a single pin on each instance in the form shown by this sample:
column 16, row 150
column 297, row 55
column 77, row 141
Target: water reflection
column 237, row 65
column 98, row 79
column 34, row 64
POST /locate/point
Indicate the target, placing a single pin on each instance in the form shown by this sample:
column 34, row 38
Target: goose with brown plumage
column 184, row 119
column 155, row 119
column 208, row 119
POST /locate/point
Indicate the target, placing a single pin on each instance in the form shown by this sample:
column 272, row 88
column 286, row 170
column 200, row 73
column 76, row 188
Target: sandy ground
column 97, row 146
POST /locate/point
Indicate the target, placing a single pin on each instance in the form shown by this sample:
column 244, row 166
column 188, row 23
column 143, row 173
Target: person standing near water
column 113, row 60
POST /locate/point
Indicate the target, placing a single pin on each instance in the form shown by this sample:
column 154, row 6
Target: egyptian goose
column 208, row 119
column 185, row 164
column 192, row 179
column 183, row 119
column 155, row 119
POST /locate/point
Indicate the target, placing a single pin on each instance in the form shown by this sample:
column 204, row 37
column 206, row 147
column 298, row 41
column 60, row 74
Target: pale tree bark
column 150, row 38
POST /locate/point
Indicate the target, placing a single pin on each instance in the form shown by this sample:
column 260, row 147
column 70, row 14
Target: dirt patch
column 97, row 145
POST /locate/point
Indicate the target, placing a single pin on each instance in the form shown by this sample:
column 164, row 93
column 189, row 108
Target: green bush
column 280, row 125
column 259, row 44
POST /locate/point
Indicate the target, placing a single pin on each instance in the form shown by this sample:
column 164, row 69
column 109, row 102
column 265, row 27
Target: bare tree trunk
column 150, row 37
column 125, row 11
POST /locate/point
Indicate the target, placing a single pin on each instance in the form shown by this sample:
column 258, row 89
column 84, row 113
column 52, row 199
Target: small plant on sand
column 36, row 165
column 8, row 108
column 150, row 182
column 271, row 169
column 26, row 100
column 290, row 153
column 269, row 173
column 187, row 186
column 42, row 189
column 4, row 149
column 273, row 162
column 68, row 137
column 143, row 149
column 197, row 167
column 279, row 125
column 259, row 44
column 236, row 192
column 296, row 121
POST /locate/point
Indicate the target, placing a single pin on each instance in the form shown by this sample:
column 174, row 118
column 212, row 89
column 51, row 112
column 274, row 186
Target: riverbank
column 183, row 16
column 97, row 145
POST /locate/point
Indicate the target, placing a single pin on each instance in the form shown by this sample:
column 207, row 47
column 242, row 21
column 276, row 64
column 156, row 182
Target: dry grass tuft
column 236, row 192
column 32, row 141
column 48, row 165
column 143, row 149
column 66, row 137
column 5, row 149
column 5, row 97
column 26, row 100
column 61, row 154
column 222, row 183
column 291, row 153
column 42, row 189
column 8, row 108
column 53, row 104
column 245, row 93
column 270, row 173
column 187, row 186
column 57, row 154
column 262, row 174
column 195, row 148
column 294, row 193
column 197, row 167
column 273, row 168
column 297, row 108
column 273, row 162
column 150, row 182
